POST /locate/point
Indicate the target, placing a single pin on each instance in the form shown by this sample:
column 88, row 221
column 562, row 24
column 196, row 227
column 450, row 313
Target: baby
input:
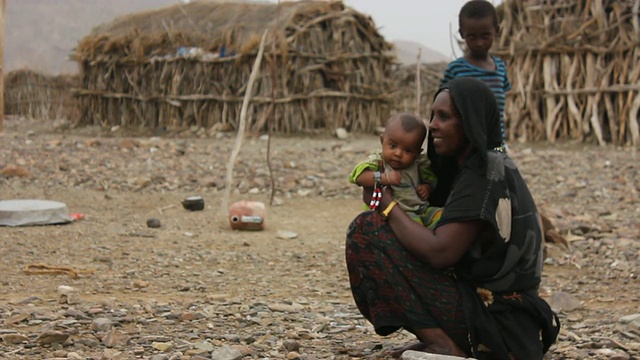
column 401, row 165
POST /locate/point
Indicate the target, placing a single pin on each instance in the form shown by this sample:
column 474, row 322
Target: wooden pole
column 3, row 7
column 418, row 82
column 272, row 106
column 243, row 119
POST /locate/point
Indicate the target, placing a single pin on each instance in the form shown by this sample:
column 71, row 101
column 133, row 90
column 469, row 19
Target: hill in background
column 407, row 53
column 40, row 34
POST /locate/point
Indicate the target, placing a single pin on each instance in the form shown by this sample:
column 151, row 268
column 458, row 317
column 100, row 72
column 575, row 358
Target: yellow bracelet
column 387, row 210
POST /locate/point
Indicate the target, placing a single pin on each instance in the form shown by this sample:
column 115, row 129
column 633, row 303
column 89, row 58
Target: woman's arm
column 441, row 248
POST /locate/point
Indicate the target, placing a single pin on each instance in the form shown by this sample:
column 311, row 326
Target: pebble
column 153, row 223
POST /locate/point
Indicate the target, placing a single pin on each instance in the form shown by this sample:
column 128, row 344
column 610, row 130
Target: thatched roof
column 210, row 25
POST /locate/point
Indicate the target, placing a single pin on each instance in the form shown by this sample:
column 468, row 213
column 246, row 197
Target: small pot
column 193, row 203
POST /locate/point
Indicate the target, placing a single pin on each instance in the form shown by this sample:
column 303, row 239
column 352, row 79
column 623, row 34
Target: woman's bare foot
column 396, row 352
column 435, row 341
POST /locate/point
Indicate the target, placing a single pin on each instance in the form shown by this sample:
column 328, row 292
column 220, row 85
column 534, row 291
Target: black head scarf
column 478, row 109
column 477, row 106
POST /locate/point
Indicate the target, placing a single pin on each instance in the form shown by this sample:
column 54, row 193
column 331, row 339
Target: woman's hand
column 367, row 194
column 387, row 197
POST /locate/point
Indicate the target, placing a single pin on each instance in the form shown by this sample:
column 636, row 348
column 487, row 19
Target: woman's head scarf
column 477, row 106
column 478, row 109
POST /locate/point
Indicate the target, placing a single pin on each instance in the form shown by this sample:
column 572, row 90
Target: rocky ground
column 195, row 289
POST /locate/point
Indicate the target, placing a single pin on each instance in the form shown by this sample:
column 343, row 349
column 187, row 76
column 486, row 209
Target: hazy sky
column 425, row 21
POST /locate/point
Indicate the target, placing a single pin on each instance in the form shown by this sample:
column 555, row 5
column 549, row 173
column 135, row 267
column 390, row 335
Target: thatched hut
column 325, row 66
column 574, row 67
column 39, row 96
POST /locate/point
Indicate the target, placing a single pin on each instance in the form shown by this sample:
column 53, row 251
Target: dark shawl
column 503, row 267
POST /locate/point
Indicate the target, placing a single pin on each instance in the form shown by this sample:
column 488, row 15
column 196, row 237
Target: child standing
column 401, row 165
column 478, row 22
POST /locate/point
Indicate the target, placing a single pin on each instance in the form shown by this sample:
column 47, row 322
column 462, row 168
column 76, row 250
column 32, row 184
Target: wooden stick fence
column 573, row 68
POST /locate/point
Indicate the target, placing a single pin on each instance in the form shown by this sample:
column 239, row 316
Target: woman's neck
column 463, row 155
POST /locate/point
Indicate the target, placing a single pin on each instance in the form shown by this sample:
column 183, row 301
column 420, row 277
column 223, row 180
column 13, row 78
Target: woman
column 469, row 287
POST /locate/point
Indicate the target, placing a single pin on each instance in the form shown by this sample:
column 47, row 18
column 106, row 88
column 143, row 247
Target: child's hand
column 423, row 191
column 392, row 177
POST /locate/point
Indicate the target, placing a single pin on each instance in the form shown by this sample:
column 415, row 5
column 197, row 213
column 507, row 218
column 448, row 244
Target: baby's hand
column 392, row 177
column 423, row 191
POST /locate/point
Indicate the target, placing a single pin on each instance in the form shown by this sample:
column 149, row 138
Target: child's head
column 402, row 140
column 478, row 22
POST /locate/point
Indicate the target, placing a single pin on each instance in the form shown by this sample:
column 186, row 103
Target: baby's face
column 399, row 147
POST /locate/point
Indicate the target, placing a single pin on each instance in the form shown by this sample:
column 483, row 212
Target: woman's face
column 446, row 127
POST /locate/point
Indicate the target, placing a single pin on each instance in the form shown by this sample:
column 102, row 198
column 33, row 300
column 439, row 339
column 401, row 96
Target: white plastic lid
column 22, row 212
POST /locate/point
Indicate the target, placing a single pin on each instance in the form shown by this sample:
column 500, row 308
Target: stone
column 14, row 338
column 51, row 337
column 284, row 234
column 101, row 324
column 68, row 295
column 562, row 301
column 114, row 338
column 162, row 346
column 291, row 345
column 12, row 170
column 226, row 353
column 153, row 223
column 342, row 133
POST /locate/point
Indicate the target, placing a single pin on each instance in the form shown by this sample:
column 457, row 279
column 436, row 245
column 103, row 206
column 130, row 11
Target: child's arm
column 371, row 163
column 364, row 174
column 506, row 83
column 424, row 191
column 368, row 178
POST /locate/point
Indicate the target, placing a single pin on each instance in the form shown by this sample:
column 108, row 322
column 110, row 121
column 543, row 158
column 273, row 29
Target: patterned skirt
column 393, row 289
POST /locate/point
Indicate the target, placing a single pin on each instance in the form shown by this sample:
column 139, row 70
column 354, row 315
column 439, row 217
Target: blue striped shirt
column 496, row 79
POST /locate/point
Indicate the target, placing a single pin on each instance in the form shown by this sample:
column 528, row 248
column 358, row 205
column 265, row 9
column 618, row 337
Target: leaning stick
column 271, row 111
column 418, row 82
column 419, row 96
column 241, row 126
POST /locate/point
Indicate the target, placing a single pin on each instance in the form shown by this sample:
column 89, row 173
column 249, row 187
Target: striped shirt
column 496, row 79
